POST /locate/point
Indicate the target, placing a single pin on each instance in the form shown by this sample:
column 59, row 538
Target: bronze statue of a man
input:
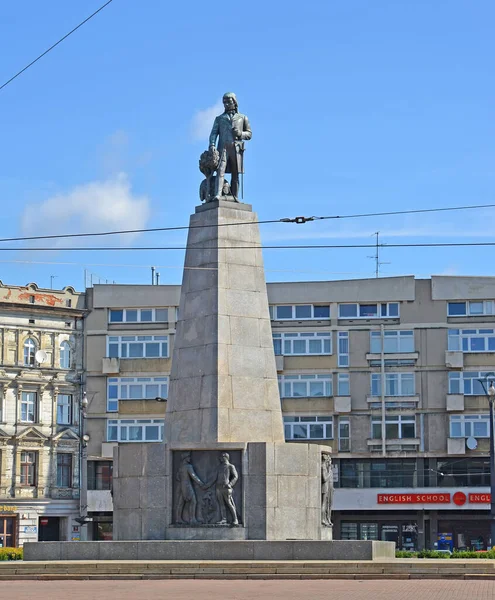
column 232, row 129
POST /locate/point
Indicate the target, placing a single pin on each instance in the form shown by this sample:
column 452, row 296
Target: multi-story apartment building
column 385, row 371
column 41, row 360
column 129, row 338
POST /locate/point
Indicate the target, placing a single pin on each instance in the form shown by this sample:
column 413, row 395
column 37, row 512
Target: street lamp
column 490, row 394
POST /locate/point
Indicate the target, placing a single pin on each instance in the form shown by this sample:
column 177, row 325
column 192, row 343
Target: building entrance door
column 49, row 529
column 7, row 532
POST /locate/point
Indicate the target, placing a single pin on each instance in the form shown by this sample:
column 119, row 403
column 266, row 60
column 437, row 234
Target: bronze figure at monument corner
column 231, row 129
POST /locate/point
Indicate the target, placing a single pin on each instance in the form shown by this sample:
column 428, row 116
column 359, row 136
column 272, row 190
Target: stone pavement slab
column 248, row 590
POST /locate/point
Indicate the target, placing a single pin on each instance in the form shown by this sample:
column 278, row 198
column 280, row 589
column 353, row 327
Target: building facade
column 384, row 371
column 129, row 339
column 41, row 369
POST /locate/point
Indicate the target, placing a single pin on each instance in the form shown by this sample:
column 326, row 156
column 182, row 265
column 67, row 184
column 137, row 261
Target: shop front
column 441, row 518
column 8, row 531
column 33, row 521
column 401, row 529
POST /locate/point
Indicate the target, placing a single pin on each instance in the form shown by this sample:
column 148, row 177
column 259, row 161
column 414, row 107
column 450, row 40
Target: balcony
column 100, row 501
column 455, row 402
column 279, row 362
column 454, row 360
column 342, row 404
column 456, row 446
column 390, row 401
column 394, row 444
column 107, row 449
column 64, row 493
column 403, row 356
column 110, row 366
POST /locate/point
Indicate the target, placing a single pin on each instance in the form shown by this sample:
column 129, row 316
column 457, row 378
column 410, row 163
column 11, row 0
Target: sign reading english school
column 413, row 498
column 459, row 498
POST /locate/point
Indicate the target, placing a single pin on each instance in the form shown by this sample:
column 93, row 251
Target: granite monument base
column 277, row 497
column 210, row 550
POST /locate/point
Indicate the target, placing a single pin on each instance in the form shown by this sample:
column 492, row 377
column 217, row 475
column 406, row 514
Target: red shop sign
column 413, row 498
column 480, row 498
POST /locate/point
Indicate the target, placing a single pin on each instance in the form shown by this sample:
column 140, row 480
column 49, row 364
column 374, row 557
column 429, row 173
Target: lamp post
column 490, row 394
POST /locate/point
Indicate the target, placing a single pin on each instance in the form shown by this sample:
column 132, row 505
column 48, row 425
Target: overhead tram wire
column 278, row 247
column 54, row 45
column 297, row 220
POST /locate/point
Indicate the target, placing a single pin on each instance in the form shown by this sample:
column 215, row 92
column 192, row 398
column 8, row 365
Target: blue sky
column 356, row 106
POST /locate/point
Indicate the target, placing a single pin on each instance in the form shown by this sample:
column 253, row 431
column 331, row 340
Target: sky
column 356, row 106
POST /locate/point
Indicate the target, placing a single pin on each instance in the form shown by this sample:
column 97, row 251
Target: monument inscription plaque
column 207, row 488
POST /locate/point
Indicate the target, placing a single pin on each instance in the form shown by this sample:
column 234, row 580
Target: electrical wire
column 54, row 46
column 261, row 247
column 298, row 220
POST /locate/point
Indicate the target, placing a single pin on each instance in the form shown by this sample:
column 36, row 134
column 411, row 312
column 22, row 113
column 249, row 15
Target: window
column 64, row 470
column 138, row 346
column 343, row 384
column 395, row 342
column 467, row 472
column 302, row 343
column 344, row 434
column 385, row 310
column 138, row 315
column 396, row 427
column 471, row 340
column 392, row 473
column 28, row 468
column 470, row 309
column 305, row 386
column 467, row 382
column 68, row 303
column 134, row 388
column 28, row 407
column 308, row 428
column 396, row 384
column 464, row 426
column 30, row 352
column 299, row 312
column 100, row 474
column 65, row 355
column 343, row 343
column 135, row 430
column 31, row 299
column 64, row 409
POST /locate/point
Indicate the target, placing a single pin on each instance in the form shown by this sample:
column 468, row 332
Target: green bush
column 405, row 554
column 433, row 554
column 11, row 554
column 489, row 554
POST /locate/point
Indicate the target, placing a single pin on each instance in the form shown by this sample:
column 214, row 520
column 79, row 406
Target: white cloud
column 202, row 121
column 90, row 207
column 365, row 235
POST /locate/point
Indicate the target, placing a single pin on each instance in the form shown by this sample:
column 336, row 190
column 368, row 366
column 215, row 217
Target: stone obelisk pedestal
column 223, row 398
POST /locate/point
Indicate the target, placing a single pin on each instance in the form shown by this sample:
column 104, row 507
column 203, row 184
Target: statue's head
column 230, row 101
column 186, row 457
column 224, row 457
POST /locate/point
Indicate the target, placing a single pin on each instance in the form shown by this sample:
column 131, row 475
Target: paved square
column 249, row 590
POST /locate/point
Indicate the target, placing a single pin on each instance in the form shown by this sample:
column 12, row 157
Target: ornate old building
column 41, row 338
